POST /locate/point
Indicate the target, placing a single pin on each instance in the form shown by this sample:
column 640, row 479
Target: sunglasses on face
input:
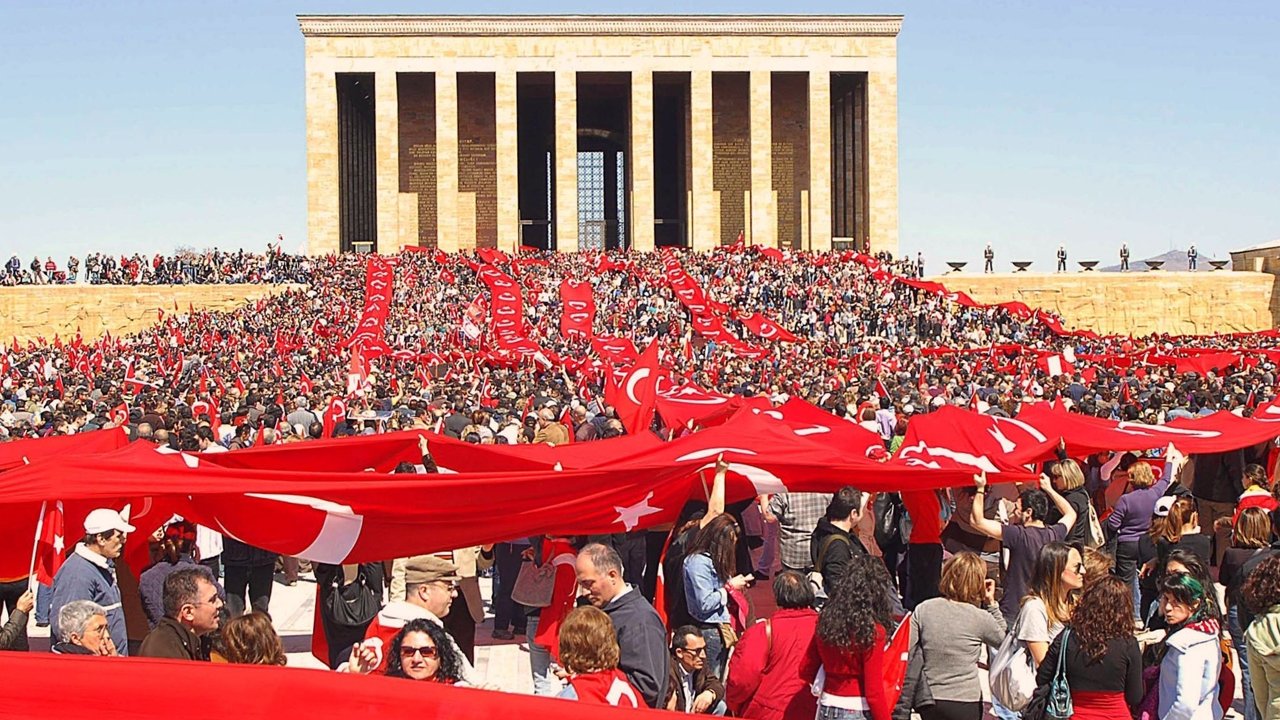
column 697, row 651
column 427, row 652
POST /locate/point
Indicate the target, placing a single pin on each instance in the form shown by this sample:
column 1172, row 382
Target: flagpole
column 35, row 546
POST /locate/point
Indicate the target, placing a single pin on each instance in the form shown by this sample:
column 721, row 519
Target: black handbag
column 354, row 604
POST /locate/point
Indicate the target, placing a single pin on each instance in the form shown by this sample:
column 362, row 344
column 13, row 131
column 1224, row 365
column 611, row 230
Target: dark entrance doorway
column 604, row 120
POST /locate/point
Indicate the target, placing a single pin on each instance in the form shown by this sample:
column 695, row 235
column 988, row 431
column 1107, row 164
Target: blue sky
column 148, row 125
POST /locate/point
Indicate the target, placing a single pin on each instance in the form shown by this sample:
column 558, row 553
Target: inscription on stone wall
column 731, row 149
column 789, row 117
column 478, row 152
column 417, row 122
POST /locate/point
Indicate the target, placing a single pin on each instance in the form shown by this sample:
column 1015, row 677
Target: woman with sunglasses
column 420, row 651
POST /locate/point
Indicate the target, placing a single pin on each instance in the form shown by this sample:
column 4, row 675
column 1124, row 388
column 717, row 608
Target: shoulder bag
column 1053, row 701
column 534, row 584
column 1013, row 672
column 354, row 604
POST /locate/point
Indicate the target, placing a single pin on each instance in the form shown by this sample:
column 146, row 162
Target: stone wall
column 43, row 311
column 1135, row 303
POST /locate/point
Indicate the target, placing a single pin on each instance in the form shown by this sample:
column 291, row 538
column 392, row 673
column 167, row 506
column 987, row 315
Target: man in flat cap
column 431, row 584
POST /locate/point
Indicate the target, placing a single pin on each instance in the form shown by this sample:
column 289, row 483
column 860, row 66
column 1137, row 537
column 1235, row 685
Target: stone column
column 447, row 160
column 703, row 211
column 387, row 141
column 322, row 162
column 819, row 237
column 763, row 231
column 566, row 165
column 504, row 93
column 640, row 161
column 882, row 159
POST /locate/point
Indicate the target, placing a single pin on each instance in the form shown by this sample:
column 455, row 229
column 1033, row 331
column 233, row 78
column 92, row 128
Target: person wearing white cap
column 89, row 573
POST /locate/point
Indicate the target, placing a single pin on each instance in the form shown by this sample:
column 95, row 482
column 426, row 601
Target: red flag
column 566, row 419
column 357, row 371
column 765, row 328
column 305, row 385
column 204, row 382
column 177, row 370
column 973, row 401
column 881, row 390
column 639, row 391
column 740, row 243
column 895, row 661
column 1124, row 392
column 120, row 414
column 52, row 545
column 335, row 413
column 62, row 391
column 239, row 385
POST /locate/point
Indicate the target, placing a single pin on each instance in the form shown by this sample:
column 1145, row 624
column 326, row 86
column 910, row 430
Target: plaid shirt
column 798, row 515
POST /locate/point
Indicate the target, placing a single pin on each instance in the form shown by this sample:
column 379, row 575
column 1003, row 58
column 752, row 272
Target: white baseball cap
column 1164, row 505
column 105, row 520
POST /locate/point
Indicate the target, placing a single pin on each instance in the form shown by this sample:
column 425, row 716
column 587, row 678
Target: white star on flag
column 630, row 516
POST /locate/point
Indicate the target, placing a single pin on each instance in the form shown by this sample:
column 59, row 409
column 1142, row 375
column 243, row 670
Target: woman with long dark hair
column 852, row 628
column 1103, row 663
column 422, row 650
column 1190, row 657
column 708, row 580
column 1051, row 597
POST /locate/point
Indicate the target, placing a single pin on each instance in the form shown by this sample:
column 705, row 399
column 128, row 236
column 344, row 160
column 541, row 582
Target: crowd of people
column 182, row 268
column 1101, row 579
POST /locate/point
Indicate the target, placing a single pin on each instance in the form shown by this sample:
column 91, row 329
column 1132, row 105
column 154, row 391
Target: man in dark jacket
column 833, row 542
column 1216, row 484
column 642, row 638
column 691, row 686
column 192, row 608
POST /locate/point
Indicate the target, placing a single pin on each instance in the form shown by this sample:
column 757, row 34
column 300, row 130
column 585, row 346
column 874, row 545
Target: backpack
column 815, row 576
column 887, row 509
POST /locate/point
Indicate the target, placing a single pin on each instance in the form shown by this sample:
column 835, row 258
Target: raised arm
column 1064, row 507
column 715, row 497
column 977, row 514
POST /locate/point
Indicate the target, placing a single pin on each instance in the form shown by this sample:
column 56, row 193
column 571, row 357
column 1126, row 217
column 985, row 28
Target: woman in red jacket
column 775, row 662
column 852, row 629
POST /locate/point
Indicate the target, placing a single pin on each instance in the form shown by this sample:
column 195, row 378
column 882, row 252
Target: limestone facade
column 471, row 136
column 1182, row 303
column 31, row 312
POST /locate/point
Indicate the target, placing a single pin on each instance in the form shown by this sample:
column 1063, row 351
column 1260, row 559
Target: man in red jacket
column 775, row 661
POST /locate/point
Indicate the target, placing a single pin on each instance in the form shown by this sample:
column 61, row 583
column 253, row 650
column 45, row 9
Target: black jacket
column 1217, row 476
column 172, row 640
column 642, row 640
column 836, row 554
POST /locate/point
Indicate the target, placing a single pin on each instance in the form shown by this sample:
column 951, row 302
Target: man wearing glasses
column 90, row 574
column 191, row 610
column 693, row 688
column 430, row 586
